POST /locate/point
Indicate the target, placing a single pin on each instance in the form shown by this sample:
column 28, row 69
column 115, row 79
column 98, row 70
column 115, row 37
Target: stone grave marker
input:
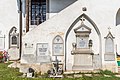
column 58, row 46
column 2, row 41
column 42, row 53
column 13, row 50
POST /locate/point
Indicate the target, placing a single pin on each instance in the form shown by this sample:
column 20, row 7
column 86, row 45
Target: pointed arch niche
column 13, row 38
column 58, row 48
column 118, row 17
column 109, row 48
column 99, row 64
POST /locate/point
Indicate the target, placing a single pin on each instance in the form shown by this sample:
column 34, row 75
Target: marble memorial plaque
column 42, row 49
column 42, row 53
column 58, row 49
column 58, row 46
column 82, row 42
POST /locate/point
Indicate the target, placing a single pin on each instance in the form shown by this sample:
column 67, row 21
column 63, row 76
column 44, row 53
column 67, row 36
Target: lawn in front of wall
column 14, row 74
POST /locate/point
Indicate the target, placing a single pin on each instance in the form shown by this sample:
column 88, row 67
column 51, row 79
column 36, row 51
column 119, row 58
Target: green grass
column 14, row 74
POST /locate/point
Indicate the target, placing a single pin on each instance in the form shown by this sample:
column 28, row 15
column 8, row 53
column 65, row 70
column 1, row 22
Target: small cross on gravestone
column 82, row 20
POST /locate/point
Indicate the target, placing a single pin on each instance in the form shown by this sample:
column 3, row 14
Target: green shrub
column 106, row 72
column 14, row 74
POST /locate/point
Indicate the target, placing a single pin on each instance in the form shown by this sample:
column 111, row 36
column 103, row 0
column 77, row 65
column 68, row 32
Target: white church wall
column 8, row 17
column 117, row 39
column 94, row 37
column 103, row 16
column 48, row 31
column 104, row 20
column 71, row 39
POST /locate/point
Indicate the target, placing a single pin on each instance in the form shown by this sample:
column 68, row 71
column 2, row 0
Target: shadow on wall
column 118, row 17
column 58, row 5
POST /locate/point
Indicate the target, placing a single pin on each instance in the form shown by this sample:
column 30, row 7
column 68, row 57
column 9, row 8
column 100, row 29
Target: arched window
column 118, row 17
column 58, row 46
column 38, row 11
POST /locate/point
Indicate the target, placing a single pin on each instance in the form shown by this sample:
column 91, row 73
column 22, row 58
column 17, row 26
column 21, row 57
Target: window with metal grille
column 38, row 11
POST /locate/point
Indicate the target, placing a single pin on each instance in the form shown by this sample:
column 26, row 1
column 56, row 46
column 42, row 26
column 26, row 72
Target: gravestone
column 43, row 53
column 13, row 53
column 28, row 55
column 2, row 41
column 13, row 50
column 109, row 48
column 58, row 46
column 82, row 51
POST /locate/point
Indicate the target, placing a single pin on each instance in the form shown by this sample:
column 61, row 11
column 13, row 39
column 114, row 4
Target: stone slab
column 29, row 58
column 2, row 42
column 83, row 59
column 13, row 54
column 29, row 49
column 43, row 59
column 109, row 57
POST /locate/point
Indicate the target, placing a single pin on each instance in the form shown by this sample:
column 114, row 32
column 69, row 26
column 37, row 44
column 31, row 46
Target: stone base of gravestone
column 84, row 68
column 83, row 62
column 28, row 58
column 13, row 54
column 44, row 59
